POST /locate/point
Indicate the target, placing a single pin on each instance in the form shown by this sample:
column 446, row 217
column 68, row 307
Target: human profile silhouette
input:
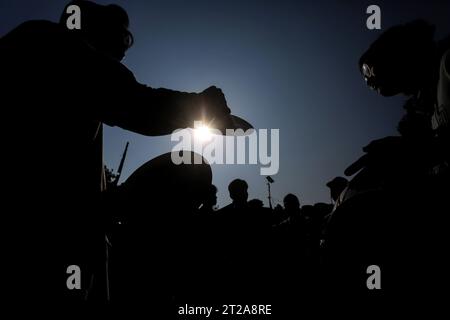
column 238, row 189
column 336, row 186
column 61, row 86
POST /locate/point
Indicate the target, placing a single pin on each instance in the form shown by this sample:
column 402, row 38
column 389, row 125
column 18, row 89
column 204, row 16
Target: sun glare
column 203, row 133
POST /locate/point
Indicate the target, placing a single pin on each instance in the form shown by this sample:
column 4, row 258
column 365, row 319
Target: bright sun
column 203, row 133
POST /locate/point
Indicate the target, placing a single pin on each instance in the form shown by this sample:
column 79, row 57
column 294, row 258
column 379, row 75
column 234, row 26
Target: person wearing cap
column 392, row 210
column 336, row 186
column 59, row 86
column 407, row 60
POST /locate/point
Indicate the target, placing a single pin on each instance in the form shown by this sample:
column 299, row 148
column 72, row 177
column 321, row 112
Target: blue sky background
column 290, row 65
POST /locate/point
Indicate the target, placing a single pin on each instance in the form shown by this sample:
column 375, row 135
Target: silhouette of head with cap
column 238, row 192
column 104, row 27
column 401, row 60
column 337, row 185
column 162, row 183
column 291, row 202
column 210, row 198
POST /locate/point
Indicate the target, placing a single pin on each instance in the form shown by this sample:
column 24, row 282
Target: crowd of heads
column 394, row 175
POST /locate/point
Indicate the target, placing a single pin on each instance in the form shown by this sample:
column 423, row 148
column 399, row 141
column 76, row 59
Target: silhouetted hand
column 214, row 103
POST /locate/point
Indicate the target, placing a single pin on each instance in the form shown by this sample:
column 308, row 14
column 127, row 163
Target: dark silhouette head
column 210, row 197
column 255, row 204
column 337, row 185
column 238, row 191
column 291, row 202
column 105, row 27
column 172, row 186
column 401, row 60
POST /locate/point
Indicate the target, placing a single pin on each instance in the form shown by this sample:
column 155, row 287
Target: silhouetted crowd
column 156, row 240
column 242, row 252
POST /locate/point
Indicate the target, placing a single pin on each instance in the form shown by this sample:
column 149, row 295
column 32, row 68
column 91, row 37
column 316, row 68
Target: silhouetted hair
column 100, row 22
column 413, row 37
column 237, row 184
column 292, row 199
column 337, row 183
column 255, row 204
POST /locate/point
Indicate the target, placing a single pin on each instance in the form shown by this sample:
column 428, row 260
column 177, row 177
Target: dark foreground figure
column 59, row 87
column 392, row 212
column 167, row 253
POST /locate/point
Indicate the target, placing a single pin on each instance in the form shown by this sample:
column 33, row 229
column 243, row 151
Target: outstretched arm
column 119, row 100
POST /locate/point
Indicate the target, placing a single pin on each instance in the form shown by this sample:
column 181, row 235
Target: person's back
column 51, row 142
column 388, row 213
column 47, row 101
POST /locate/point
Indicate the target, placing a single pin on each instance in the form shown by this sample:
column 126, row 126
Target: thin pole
column 270, row 196
column 122, row 161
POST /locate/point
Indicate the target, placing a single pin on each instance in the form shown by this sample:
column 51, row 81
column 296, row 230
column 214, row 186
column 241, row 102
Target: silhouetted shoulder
column 226, row 209
column 33, row 28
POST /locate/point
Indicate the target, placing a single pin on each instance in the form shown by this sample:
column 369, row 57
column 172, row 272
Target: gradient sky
column 290, row 65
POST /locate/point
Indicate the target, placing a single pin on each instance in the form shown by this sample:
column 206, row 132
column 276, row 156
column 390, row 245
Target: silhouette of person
column 291, row 203
column 238, row 192
column 237, row 209
column 255, row 204
column 291, row 207
column 336, row 186
column 243, row 230
column 210, row 202
column 161, row 200
column 294, row 217
column 236, row 216
column 262, row 216
column 405, row 59
column 383, row 206
column 60, row 86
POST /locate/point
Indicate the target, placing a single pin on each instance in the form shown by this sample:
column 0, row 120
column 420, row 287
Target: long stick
column 122, row 161
column 270, row 196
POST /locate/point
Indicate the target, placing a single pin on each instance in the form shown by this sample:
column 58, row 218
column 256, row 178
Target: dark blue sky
column 290, row 65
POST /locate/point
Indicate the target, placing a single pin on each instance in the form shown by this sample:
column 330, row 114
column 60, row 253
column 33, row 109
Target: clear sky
column 290, row 65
